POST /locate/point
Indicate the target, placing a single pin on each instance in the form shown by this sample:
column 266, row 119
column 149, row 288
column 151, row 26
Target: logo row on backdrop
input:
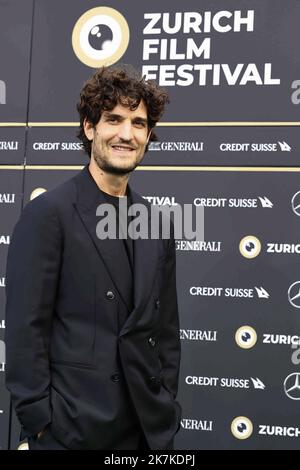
column 161, row 146
column 261, row 201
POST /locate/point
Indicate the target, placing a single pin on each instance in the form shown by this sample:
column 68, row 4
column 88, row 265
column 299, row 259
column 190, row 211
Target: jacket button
column 115, row 377
column 155, row 383
column 157, row 303
column 152, row 342
column 110, row 295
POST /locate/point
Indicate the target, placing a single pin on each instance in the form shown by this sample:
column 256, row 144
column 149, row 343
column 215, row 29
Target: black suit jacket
column 70, row 362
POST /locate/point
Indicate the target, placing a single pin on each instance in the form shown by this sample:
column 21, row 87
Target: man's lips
column 122, row 148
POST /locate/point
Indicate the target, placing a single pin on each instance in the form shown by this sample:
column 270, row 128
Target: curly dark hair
column 123, row 85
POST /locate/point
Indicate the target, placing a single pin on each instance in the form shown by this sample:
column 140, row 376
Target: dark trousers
column 48, row 442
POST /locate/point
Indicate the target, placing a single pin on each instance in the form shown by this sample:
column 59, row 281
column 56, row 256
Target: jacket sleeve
column 169, row 340
column 31, row 283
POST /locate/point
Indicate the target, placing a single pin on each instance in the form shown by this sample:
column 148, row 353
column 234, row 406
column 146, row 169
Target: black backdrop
column 229, row 141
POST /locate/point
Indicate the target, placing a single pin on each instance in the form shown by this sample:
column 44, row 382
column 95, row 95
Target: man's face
column 119, row 139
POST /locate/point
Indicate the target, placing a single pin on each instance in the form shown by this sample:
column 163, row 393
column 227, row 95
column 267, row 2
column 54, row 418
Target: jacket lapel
column 145, row 263
column 112, row 252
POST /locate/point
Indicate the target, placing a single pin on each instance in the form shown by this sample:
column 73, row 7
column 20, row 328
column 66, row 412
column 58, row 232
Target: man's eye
column 140, row 124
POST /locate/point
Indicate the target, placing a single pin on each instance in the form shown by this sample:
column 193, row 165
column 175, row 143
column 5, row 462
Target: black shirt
column 128, row 242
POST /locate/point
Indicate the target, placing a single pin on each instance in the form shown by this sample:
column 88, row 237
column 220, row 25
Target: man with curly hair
column 95, row 320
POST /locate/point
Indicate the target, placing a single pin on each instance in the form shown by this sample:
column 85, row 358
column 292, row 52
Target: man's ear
column 88, row 129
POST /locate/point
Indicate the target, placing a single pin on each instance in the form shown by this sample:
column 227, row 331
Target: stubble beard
column 104, row 165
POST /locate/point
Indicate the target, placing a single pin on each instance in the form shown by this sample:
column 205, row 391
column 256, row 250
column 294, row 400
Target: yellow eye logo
column 250, row 246
column 36, row 192
column 246, row 337
column 100, row 37
column 241, row 427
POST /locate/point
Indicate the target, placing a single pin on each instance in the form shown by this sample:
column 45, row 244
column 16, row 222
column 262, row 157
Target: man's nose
column 125, row 131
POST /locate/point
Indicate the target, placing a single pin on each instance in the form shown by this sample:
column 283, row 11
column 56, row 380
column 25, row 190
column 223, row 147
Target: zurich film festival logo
column 241, row 427
column 250, row 247
column 100, row 37
column 23, row 446
column 246, row 337
column 37, row 192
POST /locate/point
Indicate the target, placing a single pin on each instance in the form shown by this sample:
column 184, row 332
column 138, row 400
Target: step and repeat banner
column 228, row 142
